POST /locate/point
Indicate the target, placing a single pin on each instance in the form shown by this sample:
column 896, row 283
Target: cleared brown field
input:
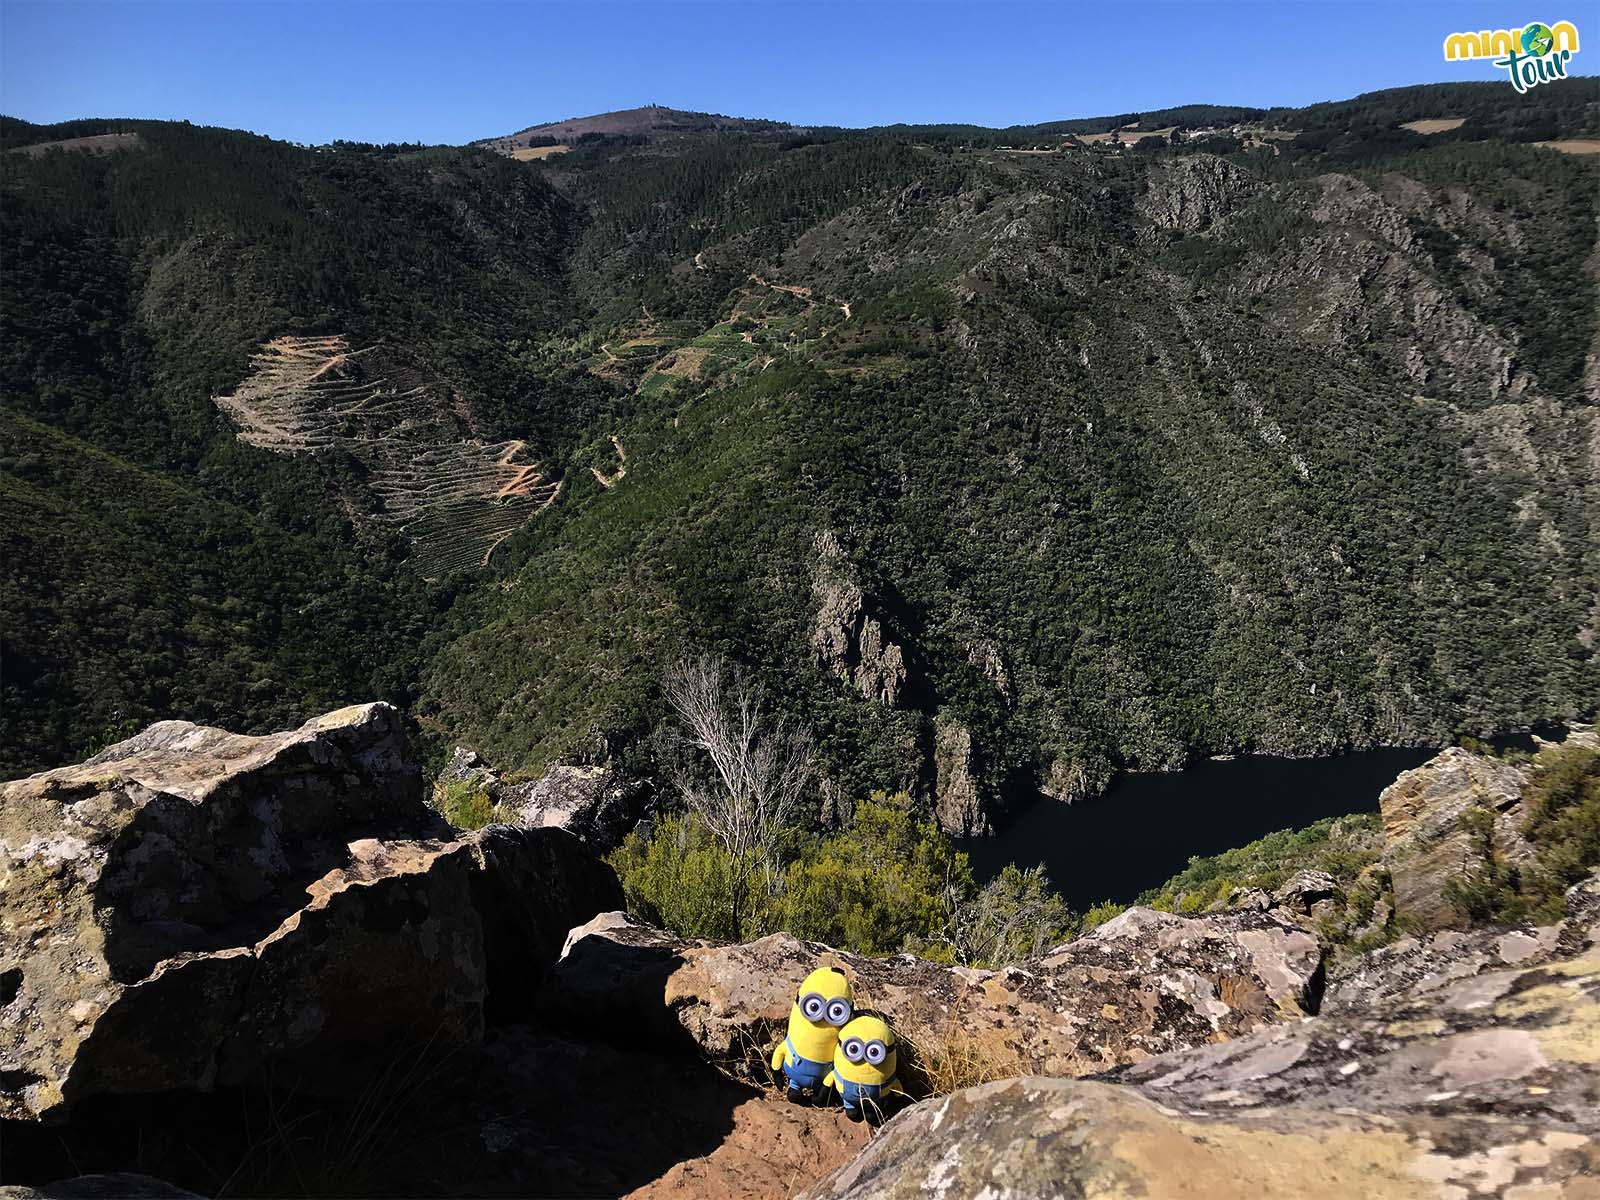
column 1435, row 125
column 1128, row 135
column 534, row 153
column 96, row 143
column 1573, row 145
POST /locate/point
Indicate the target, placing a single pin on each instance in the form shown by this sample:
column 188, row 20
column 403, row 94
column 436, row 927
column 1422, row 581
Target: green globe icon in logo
column 1537, row 39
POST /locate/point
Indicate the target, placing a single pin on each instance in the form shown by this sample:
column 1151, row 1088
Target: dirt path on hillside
column 803, row 293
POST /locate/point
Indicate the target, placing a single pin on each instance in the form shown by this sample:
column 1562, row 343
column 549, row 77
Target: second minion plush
column 864, row 1065
column 821, row 1007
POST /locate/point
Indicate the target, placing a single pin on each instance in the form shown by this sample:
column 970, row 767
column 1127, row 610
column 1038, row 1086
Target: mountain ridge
column 1124, row 455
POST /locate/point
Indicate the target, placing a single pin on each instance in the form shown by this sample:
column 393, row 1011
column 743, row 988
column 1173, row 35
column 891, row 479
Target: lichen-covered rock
column 1434, row 962
column 1141, row 984
column 467, row 766
column 1018, row 1139
column 1307, row 895
column 1454, row 1085
column 597, row 804
column 193, row 904
column 1428, row 838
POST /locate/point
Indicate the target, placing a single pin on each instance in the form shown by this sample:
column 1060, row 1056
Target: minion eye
column 854, row 1050
column 813, row 1007
column 876, row 1052
column 838, row 1012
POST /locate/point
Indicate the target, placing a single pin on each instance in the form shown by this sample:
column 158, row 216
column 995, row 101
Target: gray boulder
column 192, row 905
column 596, row 804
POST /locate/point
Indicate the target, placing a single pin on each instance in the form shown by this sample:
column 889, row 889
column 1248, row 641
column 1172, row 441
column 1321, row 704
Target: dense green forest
column 1001, row 471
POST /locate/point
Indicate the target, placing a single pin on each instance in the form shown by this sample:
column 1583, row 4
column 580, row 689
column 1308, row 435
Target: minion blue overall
column 806, row 1053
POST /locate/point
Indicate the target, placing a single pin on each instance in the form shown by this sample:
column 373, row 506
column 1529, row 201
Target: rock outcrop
column 958, row 804
column 1141, row 984
column 1475, row 1084
column 597, row 804
column 1191, row 193
column 848, row 640
column 192, row 904
column 1428, row 834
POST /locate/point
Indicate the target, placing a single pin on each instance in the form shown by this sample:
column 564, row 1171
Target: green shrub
column 1101, row 913
column 1016, row 915
column 681, row 878
column 1561, row 802
column 464, row 806
column 892, row 875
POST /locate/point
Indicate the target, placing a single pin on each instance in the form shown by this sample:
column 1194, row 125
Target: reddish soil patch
column 774, row 1149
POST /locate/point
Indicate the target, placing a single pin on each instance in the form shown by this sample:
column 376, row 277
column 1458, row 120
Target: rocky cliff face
column 848, row 640
column 1428, row 837
column 193, row 905
column 958, row 803
column 1445, row 819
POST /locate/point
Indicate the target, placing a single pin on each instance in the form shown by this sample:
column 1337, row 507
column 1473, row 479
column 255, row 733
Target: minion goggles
column 857, row 1051
column 816, row 1007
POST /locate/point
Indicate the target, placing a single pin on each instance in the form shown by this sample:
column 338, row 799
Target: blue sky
column 416, row 70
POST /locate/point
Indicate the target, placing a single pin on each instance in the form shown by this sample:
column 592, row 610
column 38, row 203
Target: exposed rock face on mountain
column 1428, row 835
column 1139, row 985
column 192, row 904
column 958, row 804
column 848, row 640
column 1475, row 1084
column 1190, row 194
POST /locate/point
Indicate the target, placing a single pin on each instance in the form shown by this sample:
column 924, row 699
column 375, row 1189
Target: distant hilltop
column 652, row 121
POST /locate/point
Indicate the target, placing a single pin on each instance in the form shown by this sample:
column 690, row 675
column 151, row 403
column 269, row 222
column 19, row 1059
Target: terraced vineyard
column 455, row 496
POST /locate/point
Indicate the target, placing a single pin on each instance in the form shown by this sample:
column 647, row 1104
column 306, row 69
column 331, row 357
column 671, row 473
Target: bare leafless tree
column 760, row 767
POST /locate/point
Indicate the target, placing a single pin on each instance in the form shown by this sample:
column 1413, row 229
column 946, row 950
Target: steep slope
column 1003, row 471
column 1123, row 456
column 159, row 565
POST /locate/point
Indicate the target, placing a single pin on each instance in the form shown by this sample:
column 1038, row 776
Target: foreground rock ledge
column 192, row 904
column 1142, row 984
column 1473, row 1080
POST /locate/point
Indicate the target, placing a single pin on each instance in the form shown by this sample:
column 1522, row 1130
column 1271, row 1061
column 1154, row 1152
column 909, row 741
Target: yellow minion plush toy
column 821, row 1008
column 864, row 1065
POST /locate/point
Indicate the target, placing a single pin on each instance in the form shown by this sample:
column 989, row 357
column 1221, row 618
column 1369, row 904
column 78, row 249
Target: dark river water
column 1146, row 827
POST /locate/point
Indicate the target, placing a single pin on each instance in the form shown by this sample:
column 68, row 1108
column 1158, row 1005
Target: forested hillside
column 1002, row 469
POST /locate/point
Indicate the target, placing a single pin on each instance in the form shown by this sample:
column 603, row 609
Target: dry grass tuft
column 938, row 1064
